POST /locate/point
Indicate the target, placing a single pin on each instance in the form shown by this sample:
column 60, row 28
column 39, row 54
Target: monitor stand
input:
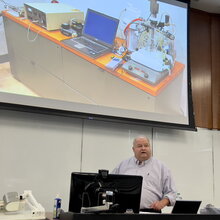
column 102, row 208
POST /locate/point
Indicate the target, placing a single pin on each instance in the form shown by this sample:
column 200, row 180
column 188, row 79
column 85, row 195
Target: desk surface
column 57, row 37
column 77, row 216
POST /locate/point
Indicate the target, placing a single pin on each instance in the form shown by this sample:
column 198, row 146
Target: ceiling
column 211, row 6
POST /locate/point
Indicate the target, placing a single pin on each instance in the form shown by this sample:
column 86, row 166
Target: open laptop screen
column 100, row 27
column 186, row 206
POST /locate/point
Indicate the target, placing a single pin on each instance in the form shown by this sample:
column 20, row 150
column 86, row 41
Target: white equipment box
column 51, row 15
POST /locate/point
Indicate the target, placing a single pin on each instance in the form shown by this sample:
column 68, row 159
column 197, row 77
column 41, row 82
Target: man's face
column 142, row 149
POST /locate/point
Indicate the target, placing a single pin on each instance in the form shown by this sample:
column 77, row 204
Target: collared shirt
column 157, row 179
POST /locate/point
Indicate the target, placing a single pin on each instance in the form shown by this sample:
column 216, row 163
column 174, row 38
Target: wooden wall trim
column 215, row 42
column 205, row 68
column 200, row 60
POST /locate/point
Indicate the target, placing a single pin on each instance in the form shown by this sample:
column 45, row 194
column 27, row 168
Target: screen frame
column 108, row 118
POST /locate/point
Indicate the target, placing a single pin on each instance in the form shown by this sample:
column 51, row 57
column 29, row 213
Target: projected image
column 127, row 60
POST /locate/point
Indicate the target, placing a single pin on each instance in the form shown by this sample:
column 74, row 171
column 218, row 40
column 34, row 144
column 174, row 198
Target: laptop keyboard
column 90, row 44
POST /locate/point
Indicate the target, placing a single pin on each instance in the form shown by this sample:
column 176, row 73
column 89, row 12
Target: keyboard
column 89, row 44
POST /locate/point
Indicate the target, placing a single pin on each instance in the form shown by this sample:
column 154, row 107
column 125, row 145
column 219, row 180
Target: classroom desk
column 40, row 60
column 76, row 216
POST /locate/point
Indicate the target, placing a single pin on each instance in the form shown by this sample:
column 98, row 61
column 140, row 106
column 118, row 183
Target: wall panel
column 216, row 168
column 189, row 156
column 107, row 144
column 216, row 70
column 200, row 60
column 38, row 153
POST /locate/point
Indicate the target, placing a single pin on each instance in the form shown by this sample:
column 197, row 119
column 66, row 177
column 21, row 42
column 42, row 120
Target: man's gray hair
column 141, row 136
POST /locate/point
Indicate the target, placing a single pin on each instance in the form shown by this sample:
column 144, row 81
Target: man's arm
column 169, row 192
column 169, row 188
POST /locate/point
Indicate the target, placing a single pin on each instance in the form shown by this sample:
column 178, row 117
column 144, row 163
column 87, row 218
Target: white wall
column 190, row 157
column 39, row 152
column 216, row 167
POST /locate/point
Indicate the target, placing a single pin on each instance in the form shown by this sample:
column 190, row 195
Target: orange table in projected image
column 40, row 60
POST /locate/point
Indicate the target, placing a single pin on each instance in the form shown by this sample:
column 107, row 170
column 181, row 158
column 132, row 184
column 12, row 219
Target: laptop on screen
column 186, row 206
column 98, row 35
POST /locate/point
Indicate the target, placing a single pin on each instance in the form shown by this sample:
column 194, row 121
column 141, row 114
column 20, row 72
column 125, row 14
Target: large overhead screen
column 144, row 79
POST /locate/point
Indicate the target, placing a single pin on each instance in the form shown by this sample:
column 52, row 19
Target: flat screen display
column 144, row 80
column 100, row 27
column 92, row 190
column 186, row 206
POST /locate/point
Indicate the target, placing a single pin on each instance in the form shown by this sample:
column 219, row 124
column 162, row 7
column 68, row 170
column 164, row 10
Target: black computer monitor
column 88, row 190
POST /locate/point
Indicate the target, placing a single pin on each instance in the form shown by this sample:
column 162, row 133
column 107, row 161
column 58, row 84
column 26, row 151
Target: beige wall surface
column 39, row 152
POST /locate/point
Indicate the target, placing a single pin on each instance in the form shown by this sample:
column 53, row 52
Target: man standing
column 158, row 188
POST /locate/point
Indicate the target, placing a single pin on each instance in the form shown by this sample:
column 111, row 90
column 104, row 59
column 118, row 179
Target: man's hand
column 158, row 205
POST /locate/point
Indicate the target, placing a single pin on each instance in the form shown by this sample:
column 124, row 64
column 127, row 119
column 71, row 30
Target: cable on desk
column 28, row 32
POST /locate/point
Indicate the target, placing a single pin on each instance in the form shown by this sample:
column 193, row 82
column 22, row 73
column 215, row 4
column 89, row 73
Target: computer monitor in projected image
column 103, row 192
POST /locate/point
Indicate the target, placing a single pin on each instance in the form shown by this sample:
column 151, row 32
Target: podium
column 115, row 216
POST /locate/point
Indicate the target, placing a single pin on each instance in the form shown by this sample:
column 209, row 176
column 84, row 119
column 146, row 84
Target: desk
column 75, row 216
column 40, row 60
